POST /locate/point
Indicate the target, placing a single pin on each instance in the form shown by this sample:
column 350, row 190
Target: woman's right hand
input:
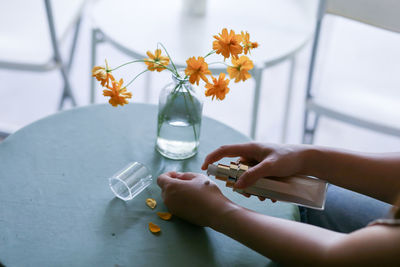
column 265, row 160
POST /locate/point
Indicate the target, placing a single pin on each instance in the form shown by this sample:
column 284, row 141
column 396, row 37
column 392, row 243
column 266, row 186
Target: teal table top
column 56, row 208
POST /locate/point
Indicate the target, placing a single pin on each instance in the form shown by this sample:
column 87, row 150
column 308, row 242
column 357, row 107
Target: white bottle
column 301, row 190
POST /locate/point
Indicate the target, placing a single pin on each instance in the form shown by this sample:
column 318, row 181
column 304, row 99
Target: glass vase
column 179, row 119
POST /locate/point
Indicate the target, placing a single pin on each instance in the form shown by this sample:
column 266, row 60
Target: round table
column 56, row 208
column 281, row 27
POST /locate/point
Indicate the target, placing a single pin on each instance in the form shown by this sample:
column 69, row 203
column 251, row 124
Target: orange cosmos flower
column 219, row 89
column 102, row 75
column 117, row 94
column 240, row 69
column 196, row 69
column 228, row 44
column 156, row 61
column 247, row 45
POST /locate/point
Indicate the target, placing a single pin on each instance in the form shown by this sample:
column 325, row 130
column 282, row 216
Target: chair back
column 384, row 14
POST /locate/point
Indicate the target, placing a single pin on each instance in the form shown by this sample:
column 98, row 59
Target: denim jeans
column 345, row 211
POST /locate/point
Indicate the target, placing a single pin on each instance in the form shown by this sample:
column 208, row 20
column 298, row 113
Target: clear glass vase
column 179, row 119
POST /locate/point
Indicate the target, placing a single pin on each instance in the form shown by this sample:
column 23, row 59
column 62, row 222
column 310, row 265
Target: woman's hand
column 193, row 197
column 265, row 159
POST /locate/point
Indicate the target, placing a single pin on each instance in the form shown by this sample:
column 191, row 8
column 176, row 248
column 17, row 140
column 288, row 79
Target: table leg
column 93, row 63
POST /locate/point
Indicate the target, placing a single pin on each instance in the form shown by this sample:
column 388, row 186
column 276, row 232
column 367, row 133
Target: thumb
column 253, row 174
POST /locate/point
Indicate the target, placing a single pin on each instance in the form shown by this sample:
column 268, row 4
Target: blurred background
column 355, row 62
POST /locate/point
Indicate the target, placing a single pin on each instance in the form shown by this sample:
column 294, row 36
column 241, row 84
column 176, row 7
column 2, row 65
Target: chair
column 379, row 13
column 28, row 44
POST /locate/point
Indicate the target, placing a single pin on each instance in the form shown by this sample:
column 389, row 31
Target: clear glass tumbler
column 130, row 181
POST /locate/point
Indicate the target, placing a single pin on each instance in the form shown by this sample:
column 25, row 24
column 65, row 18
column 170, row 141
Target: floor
column 26, row 97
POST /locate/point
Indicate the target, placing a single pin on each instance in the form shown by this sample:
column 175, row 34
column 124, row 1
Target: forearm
column 376, row 175
column 284, row 241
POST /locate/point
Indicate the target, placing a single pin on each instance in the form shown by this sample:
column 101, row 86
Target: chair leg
column 94, row 42
column 310, row 127
column 256, row 100
column 66, row 93
column 3, row 135
column 288, row 100
column 74, row 42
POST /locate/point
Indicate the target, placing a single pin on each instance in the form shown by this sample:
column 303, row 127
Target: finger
column 187, row 175
column 246, row 195
column 273, row 200
column 166, row 178
column 242, row 150
column 253, row 174
column 261, row 198
column 242, row 160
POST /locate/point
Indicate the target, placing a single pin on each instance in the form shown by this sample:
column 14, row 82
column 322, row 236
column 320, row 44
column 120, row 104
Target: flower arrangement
column 228, row 44
column 179, row 116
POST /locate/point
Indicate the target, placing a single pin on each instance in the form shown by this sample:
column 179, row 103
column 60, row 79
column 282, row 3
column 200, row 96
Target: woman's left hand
column 193, row 197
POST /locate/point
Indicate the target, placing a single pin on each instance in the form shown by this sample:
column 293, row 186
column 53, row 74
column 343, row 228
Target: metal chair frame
column 314, row 111
column 56, row 62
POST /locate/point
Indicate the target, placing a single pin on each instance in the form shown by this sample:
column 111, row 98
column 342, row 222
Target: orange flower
column 219, row 89
column 157, row 61
column 196, row 69
column 247, row 45
column 117, row 94
column 228, row 44
column 240, row 69
column 102, row 75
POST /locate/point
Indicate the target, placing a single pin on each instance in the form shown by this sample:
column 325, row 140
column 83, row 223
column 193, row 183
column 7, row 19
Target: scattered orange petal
column 151, row 202
column 154, row 228
column 164, row 215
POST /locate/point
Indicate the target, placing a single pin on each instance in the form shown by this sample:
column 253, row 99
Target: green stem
column 166, row 108
column 127, row 63
column 187, row 109
column 158, row 63
column 172, row 63
column 136, row 77
column 212, row 63
column 210, row 53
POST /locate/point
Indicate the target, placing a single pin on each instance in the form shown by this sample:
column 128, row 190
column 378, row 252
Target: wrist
column 223, row 215
column 312, row 158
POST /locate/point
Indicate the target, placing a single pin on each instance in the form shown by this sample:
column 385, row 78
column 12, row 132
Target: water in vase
column 179, row 127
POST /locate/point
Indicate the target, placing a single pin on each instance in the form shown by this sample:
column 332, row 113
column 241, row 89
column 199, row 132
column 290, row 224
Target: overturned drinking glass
column 130, row 180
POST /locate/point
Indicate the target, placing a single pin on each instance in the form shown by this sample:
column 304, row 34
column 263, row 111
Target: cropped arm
column 298, row 244
column 375, row 175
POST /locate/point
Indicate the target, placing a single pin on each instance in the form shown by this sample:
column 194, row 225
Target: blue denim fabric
column 345, row 211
